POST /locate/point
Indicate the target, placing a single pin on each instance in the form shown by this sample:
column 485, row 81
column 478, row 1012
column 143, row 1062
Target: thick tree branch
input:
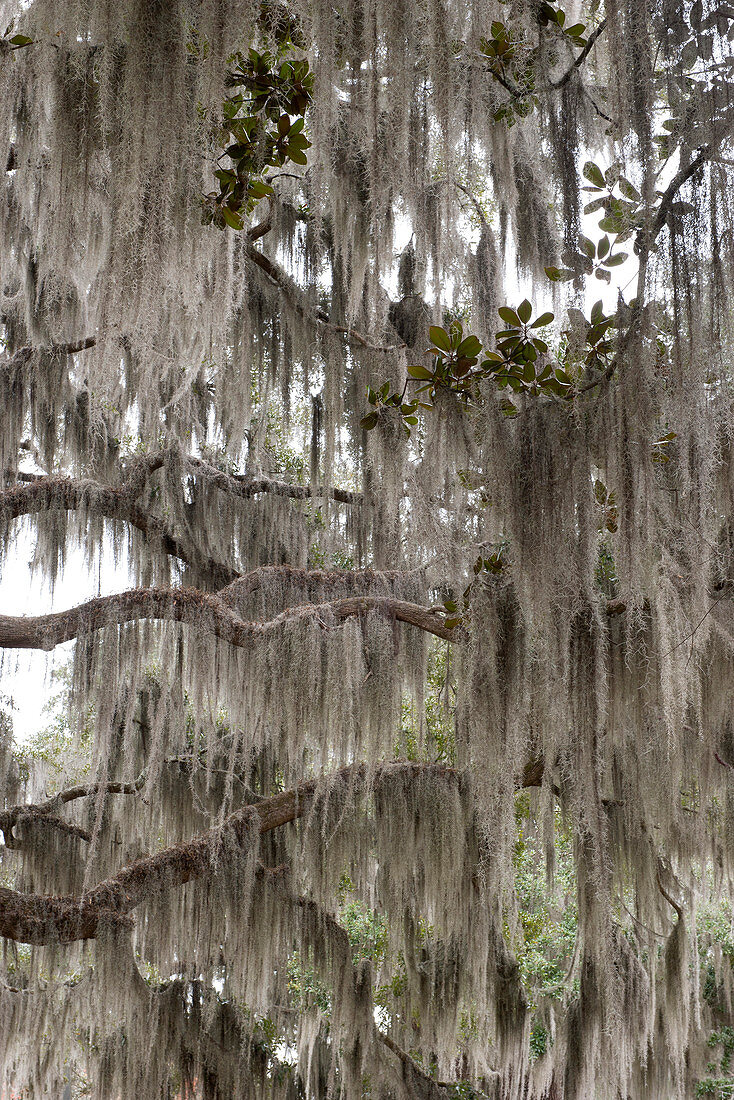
column 202, row 611
column 38, row 919
column 35, row 919
column 211, row 614
column 47, row 493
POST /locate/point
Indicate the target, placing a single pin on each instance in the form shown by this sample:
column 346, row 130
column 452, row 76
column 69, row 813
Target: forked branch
column 38, row 919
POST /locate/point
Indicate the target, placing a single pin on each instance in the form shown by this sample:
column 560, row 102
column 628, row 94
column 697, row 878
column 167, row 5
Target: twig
column 317, row 317
column 578, row 61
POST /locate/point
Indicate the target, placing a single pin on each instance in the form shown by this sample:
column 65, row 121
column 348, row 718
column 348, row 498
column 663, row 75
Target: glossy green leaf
column 470, row 347
column 509, row 316
column 418, row 371
column 440, row 337
column 232, row 218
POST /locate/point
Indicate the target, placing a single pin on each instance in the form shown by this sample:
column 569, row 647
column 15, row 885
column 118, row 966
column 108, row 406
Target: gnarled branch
column 38, row 919
column 202, row 611
column 69, row 494
column 44, row 813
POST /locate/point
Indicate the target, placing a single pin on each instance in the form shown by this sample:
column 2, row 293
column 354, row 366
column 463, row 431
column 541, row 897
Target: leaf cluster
column 513, row 63
column 550, row 15
column 383, row 400
column 492, row 566
column 520, row 361
column 264, row 124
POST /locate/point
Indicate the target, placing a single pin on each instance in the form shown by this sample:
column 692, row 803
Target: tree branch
column 201, row 610
column 44, row 812
column 681, row 177
column 23, row 355
column 579, row 61
column 244, row 486
column 38, row 919
column 298, row 299
column 47, row 493
column 645, row 239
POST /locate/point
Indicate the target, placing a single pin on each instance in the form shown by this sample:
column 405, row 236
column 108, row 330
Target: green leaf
column 543, row 320
column 410, row 419
column 469, row 347
column 259, row 188
column 611, row 225
column 629, row 190
column 509, row 316
column 417, row 371
column 450, row 605
column 232, row 218
column 617, row 259
column 524, row 311
column 559, row 274
column 603, row 247
column 440, row 337
column 20, row 40
column 507, row 408
column 368, row 422
column 593, row 174
column 594, row 205
column 587, row 246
